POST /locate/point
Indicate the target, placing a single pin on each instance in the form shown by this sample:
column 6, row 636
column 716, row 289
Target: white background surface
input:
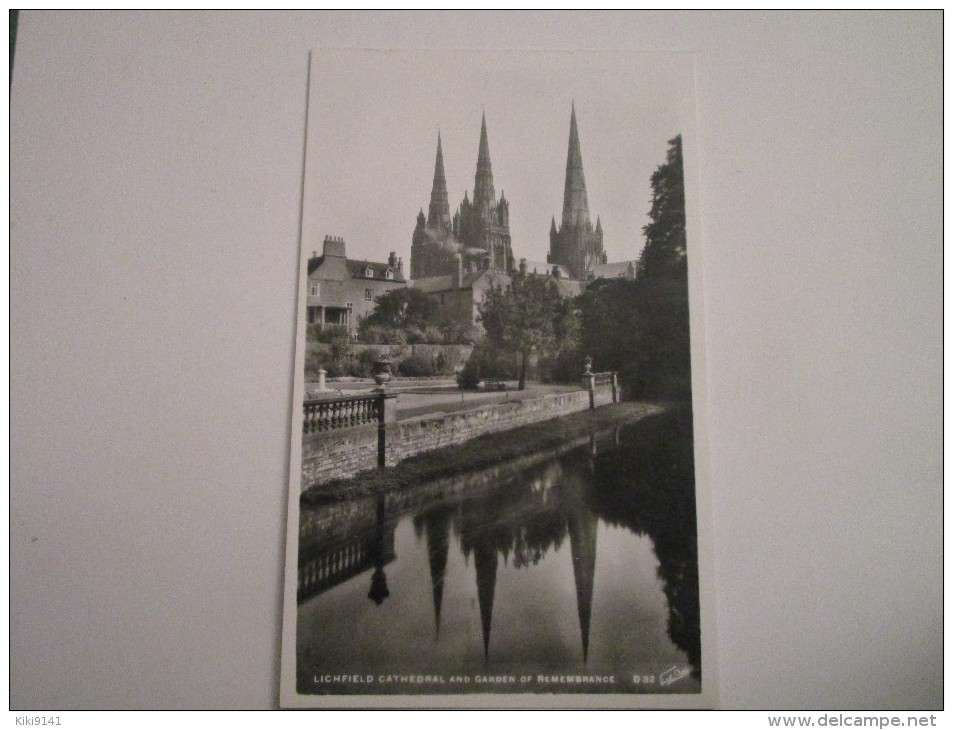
column 156, row 164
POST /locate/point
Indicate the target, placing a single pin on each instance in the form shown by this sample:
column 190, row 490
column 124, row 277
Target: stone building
column 458, row 258
column 476, row 238
column 342, row 290
column 576, row 246
column 616, row 270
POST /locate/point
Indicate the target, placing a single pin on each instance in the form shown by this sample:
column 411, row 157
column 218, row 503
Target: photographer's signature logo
column 672, row 675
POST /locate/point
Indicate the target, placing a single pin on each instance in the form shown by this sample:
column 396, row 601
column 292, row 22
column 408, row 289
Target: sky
column 373, row 119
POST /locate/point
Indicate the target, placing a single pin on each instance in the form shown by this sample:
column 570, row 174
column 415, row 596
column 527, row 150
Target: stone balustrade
column 329, row 414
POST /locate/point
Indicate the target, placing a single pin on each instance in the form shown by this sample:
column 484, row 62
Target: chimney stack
column 334, row 246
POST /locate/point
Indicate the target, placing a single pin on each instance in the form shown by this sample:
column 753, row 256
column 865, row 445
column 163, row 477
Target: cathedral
column 476, row 238
column 576, row 246
column 458, row 258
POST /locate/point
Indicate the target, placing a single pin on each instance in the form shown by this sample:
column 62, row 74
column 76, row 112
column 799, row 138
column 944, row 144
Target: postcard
column 498, row 492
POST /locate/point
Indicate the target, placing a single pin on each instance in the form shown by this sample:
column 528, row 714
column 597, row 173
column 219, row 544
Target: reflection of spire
column 485, row 558
column 437, row 526
column 582, row 545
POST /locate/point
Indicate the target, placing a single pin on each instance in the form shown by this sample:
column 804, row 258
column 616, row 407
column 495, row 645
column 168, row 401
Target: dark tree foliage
column 640, row 328
column 523, row 318
column 402, row 309
column 664, row 357
column 664, row 252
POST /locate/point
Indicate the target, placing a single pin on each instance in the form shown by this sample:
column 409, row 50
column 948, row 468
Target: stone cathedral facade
column 476, row 238
column 576, row 246
column 457, row 258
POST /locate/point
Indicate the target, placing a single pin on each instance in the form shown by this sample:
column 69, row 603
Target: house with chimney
column 342, row 290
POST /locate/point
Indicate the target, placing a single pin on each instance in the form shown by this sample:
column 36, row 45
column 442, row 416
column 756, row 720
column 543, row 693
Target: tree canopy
column 403, row 308
column 522, row 318
column 640, row 327
column 665, row 249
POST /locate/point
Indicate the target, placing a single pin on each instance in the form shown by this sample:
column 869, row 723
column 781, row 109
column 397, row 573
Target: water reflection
column 468, row 575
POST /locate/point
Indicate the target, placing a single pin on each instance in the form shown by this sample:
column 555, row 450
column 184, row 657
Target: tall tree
column 640, row 328
column 665, row 249
column 522, row 318
column 664, row 352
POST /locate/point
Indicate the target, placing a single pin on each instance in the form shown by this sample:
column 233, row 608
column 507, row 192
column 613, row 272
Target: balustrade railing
column 329, row 414
column 591, row 381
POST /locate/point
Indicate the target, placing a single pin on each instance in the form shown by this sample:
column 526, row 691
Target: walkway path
column 420, row 397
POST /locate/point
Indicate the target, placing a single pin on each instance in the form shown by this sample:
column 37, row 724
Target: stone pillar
column 589, row 383
column 386, row 413
column 615, row 387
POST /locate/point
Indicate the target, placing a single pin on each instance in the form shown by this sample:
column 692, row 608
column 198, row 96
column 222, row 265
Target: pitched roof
column 615, row 270
column 357, row 268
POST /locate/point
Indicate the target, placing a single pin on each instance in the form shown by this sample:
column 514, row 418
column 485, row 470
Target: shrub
column 372, row 334
column 416, row 366
column 566, row 366
column 487, row 362
column 363, row 366
column 329, row 333
column 469, row 377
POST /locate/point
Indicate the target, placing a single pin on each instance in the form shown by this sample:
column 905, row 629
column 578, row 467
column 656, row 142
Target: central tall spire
column 575, row 203
column 439, row 214
column 483, row 194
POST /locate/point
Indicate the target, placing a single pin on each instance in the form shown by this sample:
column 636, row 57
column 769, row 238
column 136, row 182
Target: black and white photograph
column 497, row 497
column 464, row 359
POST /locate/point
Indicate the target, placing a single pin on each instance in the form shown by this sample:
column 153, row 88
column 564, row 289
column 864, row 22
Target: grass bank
column 480, row 452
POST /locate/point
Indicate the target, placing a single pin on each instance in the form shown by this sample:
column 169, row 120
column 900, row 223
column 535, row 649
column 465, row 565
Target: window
column 369, row 272
column 389, row 274
column 368, row 295
column 316, row 290
column 350, row 305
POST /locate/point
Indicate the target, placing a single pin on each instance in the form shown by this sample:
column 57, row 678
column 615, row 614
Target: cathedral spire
column 483, row 194
column 575, row 204
column 439, row 214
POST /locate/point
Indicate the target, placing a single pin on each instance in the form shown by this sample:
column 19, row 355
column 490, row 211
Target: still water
column 573, row 570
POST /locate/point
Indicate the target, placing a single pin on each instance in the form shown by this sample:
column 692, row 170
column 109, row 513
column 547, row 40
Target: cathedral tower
column 438, row 217
column 575, row 245
column 432, row 248
column 484, row 223
column 476, row 237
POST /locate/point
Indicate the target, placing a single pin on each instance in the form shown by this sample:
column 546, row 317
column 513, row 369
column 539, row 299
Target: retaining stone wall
column 344, row 453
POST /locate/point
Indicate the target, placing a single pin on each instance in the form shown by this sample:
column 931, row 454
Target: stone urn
column 587, row 361
column 382, row 373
